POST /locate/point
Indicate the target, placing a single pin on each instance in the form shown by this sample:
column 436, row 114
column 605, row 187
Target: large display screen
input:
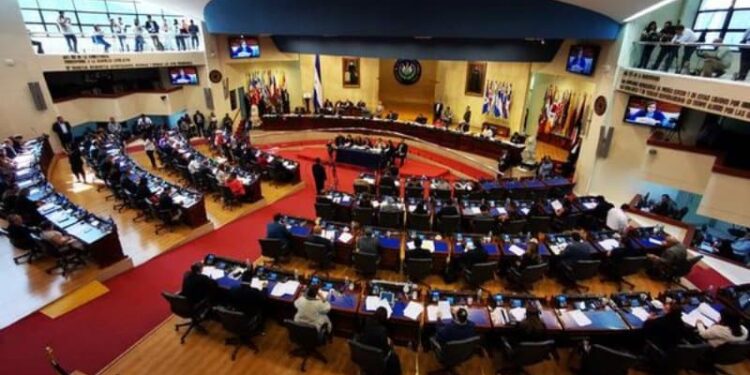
column 183, row 75
column 242, row 47
column 649, row 112
column 582, row 59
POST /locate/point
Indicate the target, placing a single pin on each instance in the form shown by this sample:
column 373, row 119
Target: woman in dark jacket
column 649, row 34
column 76, row 163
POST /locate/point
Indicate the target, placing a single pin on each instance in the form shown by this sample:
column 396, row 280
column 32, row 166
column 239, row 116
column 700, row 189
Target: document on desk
column 501, row 211
column 287, row 288
column 709, row 311
column 476, row 210
column 329, row 234
column 640, row 313
column 609, row 244
column 373, row 302
column 525, row 210
column 516, row 250
column 518, row 313
column 429, row 245
column 410, row 245
column 345, row 237
column 556, row 249
column 694, row 316
column 257, row 283
column 556, row 205
column 444, row 309
column 655, row 241
column 413, row 310
column 579, row 318
column 212, row 272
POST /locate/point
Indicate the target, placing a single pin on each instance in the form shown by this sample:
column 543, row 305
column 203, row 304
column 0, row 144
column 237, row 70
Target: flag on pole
column 508, row 97
column 317, row 86
column 488, row 93
column 498, row 107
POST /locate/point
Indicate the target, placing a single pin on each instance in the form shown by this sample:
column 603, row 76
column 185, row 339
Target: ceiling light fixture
column 648, row 10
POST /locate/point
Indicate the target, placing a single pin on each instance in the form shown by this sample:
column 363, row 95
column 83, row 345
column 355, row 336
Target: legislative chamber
column 485, row 187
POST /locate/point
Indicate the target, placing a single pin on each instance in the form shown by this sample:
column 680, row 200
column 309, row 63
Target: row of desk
column 99, row 235
column 414, row 310
column 190, row 202
column 471, row 143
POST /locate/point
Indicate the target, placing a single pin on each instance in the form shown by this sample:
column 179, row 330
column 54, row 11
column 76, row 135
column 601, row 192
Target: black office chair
column 390, row 219
column 484, row 225
column 525, row 354
column 579, row 271
column 568, row 222
column 363, row 215
column 419, row 222
column 689, row 357
column 67, row 259
column 518, row 194
column 273, row 248
column 180, row 306
column 414, row 192
column 325, row 211
column 479, row 273
column 362, row 188
column 729, row 354
column 365, row 264
column 317, row 253
column 387, row 190
column 539, row 224
column 448, row 224
column 601, row 360
column 243, row 327
column 525, row 279
column 625, row 267
column 418, row 269
column 443, row 194
column 453, row 353
column 513, row 226
column 228, row 200
column 33, row 251
column 307, row 340
column 674, row 274
column 165, row 217
column 369, row 360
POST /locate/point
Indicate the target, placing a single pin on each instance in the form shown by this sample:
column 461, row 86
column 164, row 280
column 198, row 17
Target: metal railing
column 711, row 60
column 93, row 43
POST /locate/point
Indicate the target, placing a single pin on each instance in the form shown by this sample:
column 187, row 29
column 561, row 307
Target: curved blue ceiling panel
column 491, row 19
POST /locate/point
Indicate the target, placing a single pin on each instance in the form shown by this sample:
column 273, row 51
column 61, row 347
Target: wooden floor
column 160, row 352
column 29, row 287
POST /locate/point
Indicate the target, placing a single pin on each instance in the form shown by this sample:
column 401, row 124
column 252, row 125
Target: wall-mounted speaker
column 605, row 141
column 37, row 96
column 209, row 97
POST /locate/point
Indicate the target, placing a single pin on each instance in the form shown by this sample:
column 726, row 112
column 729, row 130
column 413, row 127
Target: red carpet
column 703, row 278
column 411, row 167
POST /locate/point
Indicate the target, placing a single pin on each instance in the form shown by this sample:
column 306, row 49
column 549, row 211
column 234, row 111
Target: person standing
column 184, row 34
column 467, row 115
column 98, row 38
column 685, row 36
column 138, row 30
column 401, row 151
column 744, row 56
column 193, row 30
column 150, row 147
column 64, row 131
column 76, row 163
column 213, row 123
column 119, row 30
column 319, row 174
column 114, row 127
column 666, row 34
column 66, row 28
column 200, row 123
column 168, row 34
column 153, row 28
column 649, row 35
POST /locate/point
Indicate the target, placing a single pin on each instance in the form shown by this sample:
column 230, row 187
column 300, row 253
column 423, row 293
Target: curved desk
column 471, row 143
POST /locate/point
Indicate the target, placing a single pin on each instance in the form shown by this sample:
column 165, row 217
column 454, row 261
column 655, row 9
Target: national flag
column 498, row 107
column 506, row 104
column 578, row 121
column 488, row 93
column 317, row 85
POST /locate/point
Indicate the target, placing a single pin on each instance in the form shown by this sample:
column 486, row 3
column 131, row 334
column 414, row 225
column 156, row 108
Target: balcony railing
column 713, row 60
column 92, row 43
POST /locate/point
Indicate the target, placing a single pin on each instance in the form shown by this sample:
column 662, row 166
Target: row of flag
column 263, row 85
column 497, row 99
column 563, row 113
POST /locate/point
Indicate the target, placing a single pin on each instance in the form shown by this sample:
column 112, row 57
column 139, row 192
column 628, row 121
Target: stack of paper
column 443, row 308
column 373, row 302
column 525, row 210
column 429, row 245
column 212, row 272
column 640, row 313
column 694, row 316
column 345, row 237
column 329, row 234
column 609, row 244
column 257, row 283
column 501, row 211
column 516, row 250
column 475, row 210
column 556, row 205
column 518, row 313
column 413, row 310
column 410, row 245
column 579, row 318
column 287, row 288
column 556, row 249
column 655, row 241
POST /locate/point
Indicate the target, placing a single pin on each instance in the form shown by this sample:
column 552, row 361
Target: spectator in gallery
column 66, row 28
column 138, row 30
column 168, row 34
column 153, row 29
column 744, row 56
column 666, row 34
column 649, row 35
column 178, row 37
column 686, row 36
column 98, row 38
column 119, row 29
column 184, row 34
column 717, row 61
column 193, row 30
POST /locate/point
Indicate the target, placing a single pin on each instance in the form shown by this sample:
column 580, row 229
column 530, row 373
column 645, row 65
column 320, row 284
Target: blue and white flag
column 498, row 107
column 317, row 86
column 488, row 95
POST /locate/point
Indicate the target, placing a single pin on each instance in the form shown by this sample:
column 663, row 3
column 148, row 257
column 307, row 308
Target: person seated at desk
column 196, row 286
column 602, row 208
column 668, row 330
column 575, row 251
column 312, row 308
column 222, row 174
column 617, row 220
column 339, row 140
column 464, row 127
column 143, row 191
column 673, row 256
column 349, row 141
column 277, row 230
column 469, row 258
column 105, row 166
column 741, row 247
column 532, row 328
column 57, row 239
column 420, row 208
column 166, row 204
column 248, row 300
column 127, row 184
column 488, row 133
column 114, row 176
column 375, row 334
column 546, row 168
column 728, row 329
column 194, row 167
column 421, row 119
column 317, row 237
column 367, row 243
column 529, row 258
column 665, row 207
column 19, row 234
column 484, row 213
column 418, row 252
column 460, row 328
column 26, row 207
column 364, row 201
column 388, row 181
column 235, row 186
column 448, row 209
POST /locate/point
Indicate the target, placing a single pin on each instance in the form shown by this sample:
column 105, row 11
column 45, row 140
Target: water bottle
column 296, row 274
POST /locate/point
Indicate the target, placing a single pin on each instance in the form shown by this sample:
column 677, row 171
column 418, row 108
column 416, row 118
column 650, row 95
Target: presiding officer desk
column 472, row 143
column 99, row 235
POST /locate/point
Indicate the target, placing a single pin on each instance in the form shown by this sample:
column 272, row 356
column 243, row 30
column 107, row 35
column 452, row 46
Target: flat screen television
column 186, row 75
column 242, row 47
column 582, row 59
column 653, row 113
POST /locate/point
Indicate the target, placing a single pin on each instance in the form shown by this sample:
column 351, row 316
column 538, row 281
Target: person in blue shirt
column 650, row 115
column 575, row 251
column 741, row 247
column 277, row 230
column 459, row 328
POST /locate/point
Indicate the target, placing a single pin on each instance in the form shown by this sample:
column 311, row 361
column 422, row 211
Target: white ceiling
column 616, row 9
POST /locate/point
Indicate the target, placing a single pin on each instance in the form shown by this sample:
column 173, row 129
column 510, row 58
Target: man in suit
column 375, row 334
column 673, row 256
column 437, row 111
column 459, row 328
column 388, row 181
column 196, row 286
column 319, row 174
column 575, row 251
column 368, row 244
column 153, row 28
column 418, row 252
column 317, row 237
column 277, row 230
column 200, row 123
column 467, row 115
column 64, row 132
column 401, row 151
column 449, row 209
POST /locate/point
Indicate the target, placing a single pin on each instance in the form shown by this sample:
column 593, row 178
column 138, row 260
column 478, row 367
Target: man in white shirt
column 683, row 35
column 114, row 127
column 194, row 166
column 144, row 125
column 617, row 220
column 65, row 26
